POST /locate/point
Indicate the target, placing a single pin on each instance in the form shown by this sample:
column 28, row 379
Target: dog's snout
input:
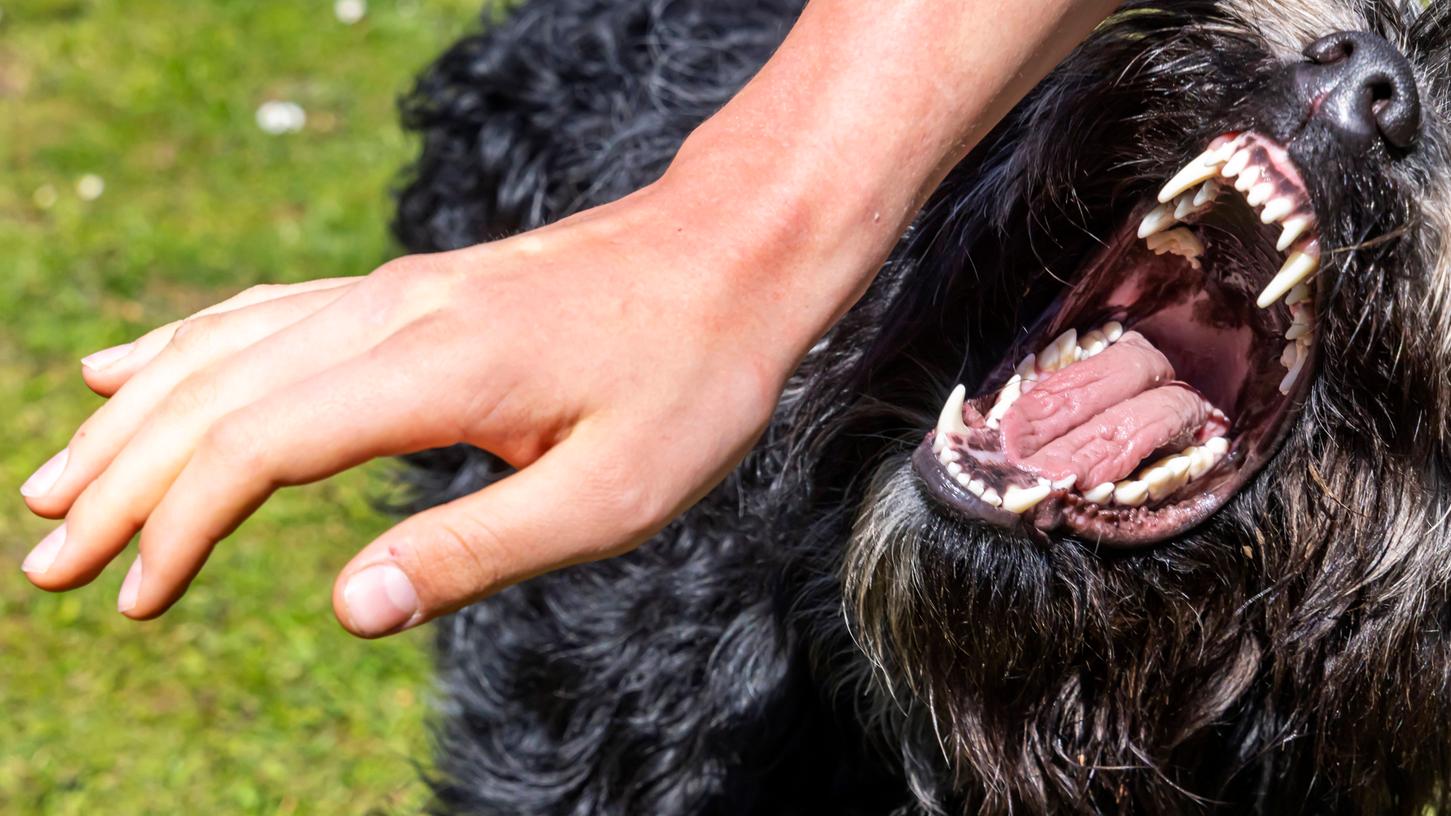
column 1363, row 88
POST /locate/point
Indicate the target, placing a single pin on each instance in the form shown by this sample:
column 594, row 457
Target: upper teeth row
column 1201, row 181
column 1067, row 349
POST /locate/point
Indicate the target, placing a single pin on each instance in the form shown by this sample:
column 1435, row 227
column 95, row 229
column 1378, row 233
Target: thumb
column 568, row 507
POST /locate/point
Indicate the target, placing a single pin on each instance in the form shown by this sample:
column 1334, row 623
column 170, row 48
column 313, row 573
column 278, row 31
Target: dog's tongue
column 1099, row 419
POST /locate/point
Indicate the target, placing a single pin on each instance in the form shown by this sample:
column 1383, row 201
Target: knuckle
column 192, row 395
column 635, row 507
column 192, row 334
column 472, row 554
column 233, row 441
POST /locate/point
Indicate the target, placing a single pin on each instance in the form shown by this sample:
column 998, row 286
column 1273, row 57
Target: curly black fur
column 816, row 636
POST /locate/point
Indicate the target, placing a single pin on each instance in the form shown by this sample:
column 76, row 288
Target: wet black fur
column 775, row 651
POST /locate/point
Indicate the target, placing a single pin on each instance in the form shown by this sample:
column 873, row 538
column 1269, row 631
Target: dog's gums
column 1163, row 378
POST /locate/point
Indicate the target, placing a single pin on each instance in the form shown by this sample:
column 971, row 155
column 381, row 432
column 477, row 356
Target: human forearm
column 859, row 115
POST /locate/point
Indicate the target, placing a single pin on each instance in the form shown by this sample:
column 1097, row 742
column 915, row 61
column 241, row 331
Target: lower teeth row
column 1153, row 482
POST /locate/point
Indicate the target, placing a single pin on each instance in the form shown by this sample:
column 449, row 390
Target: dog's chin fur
column 818, row 636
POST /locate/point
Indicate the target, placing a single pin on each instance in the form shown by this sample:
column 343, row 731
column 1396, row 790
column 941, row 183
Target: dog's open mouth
column 1163, row 379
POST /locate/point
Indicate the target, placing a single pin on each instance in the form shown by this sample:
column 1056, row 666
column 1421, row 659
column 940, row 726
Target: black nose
column 1364, row 88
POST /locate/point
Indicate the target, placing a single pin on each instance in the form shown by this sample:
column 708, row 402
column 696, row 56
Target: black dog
column 1192, row 555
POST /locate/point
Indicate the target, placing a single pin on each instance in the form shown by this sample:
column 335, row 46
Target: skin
column 624, row 359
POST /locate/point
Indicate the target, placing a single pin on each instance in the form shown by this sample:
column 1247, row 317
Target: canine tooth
column 991, row 497
column 1300, row 294
column 1207, row 192
column 1206, row 166
column 1294, row 228
column 1297, row 268
column 1022, row 499
column 1236, row 164
column 950, row 421
column 1218, row 446
column 1131, row 494
column 1113, row 330
column 976, row 487
column 1260, row 194
column 1277, row 209
column 1159, row 219
column 954, row 470
column 1100, row 494
column 1048, row 359
column 1066, row 484
column 1247, row 179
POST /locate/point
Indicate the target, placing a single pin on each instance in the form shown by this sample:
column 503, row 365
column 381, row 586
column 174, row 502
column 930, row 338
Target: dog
column 1124, row 489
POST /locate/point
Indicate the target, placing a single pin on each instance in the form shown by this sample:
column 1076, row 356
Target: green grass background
column 247, row 698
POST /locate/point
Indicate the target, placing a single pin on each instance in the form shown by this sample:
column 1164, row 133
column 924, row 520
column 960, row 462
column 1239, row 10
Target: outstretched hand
column 608, row 357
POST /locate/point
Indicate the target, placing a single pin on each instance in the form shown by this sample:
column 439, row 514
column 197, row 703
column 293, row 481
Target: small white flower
column 90, row 187
column 276, row 117
column 45, row 196
column 349, row 12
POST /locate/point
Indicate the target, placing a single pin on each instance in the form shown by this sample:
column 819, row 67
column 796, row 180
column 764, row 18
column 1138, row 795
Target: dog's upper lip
column 1260, row 170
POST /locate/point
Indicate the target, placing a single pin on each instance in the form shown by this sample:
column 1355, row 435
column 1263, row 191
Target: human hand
column 621, row 359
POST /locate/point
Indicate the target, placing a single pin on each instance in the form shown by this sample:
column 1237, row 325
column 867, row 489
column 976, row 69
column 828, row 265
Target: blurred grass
column 247, row 698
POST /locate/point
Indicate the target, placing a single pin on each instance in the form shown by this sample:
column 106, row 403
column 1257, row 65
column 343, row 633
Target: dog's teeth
column 1022, row 499
column 1218, row 446
column 949, row 456
column 1300, row 294
column 1276, row 210
column 1184, row 207
column 1207, row 193
column 1287, row 357
column 1260, row 194
column 1131, row 494
column 1100, row 494
column 1067, row 344
column 1297, row 330
column 1294, row 373
column 1113, row 330
column 1247, row 179
column 976, row 487
column 1168, row 477
column 1179, row 241
column 1236, row 164
column 950, row 422
column 1201, row 461
column 1092, row 344
column 1299, row 266
column 1066, row 484
column 954, row 470
column 1294, row 228
column 963, row 479
column 1159, row 219
column 1203, row 168
column 991, row 497
column 1028, row 369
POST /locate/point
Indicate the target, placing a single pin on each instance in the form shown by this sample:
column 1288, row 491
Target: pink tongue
column 1081, row 392
column 1110, row 446
column 1099, row 419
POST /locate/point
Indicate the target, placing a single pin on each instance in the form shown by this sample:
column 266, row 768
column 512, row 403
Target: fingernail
column 41, row 481
column 45, row 552
column 130, row 587
column 105, row 357
column 380, row 599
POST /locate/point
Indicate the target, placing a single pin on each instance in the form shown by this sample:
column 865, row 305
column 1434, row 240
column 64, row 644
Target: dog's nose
column 1363, row 88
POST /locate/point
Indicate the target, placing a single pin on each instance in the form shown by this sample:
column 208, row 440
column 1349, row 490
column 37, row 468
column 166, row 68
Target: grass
column 247, row 698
